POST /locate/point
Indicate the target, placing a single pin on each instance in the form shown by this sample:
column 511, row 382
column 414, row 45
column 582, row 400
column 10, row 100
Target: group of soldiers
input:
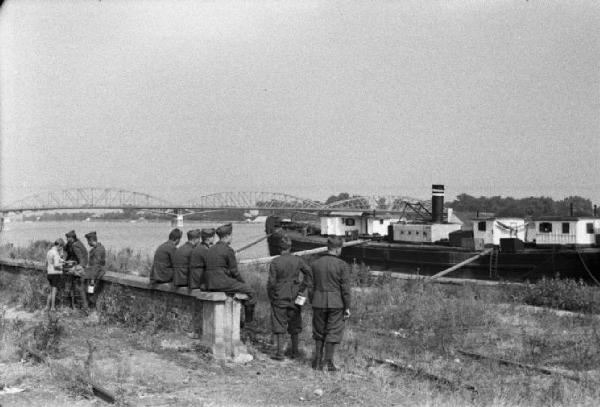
column 81, row 272
column 202, row 264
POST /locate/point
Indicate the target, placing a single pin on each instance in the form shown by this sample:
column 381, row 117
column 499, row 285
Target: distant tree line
column 523, row 207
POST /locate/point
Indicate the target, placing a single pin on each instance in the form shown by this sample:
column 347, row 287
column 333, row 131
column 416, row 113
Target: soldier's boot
column 295, row 354
column 328, row 359
column 279, row 338
column 317, row 363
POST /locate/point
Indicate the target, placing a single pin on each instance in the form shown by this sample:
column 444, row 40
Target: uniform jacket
column 330, row 285
column 221, row 262
column 76, row 251
column 198, row 265
column 162, row 266
column 97, row 262
column 181, row 263
column 284, row 282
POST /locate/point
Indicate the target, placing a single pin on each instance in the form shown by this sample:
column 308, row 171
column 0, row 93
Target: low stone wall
column 214, row 317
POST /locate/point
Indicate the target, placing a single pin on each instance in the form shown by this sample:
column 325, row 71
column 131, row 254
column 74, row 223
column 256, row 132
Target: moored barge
column 515, row 249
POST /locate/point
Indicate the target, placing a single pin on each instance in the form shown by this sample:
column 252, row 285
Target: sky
column 180, row 99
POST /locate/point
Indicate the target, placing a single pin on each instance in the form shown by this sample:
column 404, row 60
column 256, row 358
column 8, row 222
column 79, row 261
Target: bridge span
column 265, row 202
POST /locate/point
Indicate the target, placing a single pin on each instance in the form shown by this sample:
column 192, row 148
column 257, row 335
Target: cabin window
column 565, row 227
column 424, row 234
column 545, row 227
column 417, row 232
column 349, row 222
column 589, row 227
column 409, row 232
column 481, row 226
column 381, row 221
column 401, row 232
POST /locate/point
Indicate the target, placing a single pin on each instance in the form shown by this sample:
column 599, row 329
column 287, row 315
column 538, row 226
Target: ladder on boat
column 495, row 253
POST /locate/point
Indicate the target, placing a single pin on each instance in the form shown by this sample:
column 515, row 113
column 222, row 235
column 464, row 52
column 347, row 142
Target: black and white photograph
column 300, row 203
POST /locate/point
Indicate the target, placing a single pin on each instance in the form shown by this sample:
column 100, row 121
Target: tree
column 340, row 197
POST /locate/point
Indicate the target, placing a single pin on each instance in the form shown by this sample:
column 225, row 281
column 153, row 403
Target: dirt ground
column 163, row 370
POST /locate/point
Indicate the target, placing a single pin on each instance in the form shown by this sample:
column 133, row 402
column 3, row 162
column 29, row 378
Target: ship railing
column 555, row 238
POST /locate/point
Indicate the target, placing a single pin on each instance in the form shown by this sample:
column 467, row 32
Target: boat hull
column 526, row 264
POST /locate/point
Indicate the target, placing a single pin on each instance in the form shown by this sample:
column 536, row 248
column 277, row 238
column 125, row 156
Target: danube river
column 143, row 237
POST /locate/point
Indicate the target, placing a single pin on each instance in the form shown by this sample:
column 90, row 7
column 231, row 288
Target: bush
column 35, row 251
column 47, row 335
column 565, row 294
column 28, row 289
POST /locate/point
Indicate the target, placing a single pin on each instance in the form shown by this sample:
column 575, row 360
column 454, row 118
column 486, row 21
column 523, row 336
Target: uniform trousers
column 328, row 324
column 286, row 318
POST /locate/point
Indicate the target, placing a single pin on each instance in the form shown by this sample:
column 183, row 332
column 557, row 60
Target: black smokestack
column 437, row 203
column 595, row 210
column 571, row 209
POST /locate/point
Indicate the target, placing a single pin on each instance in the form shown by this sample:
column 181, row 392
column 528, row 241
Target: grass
column 422, row 326
column 123, row 261
column 425, row 325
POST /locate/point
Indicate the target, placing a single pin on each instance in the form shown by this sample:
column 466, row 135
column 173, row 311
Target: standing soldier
column 54, row 263
column 330, row 298
column 162, row 266
column 222, row 273
column 77, row 257
column 182, row 257
column 95, row 269
column 283, row 286
column 198, row 260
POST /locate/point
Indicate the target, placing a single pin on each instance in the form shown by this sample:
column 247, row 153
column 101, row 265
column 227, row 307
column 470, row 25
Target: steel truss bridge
column 265, row 202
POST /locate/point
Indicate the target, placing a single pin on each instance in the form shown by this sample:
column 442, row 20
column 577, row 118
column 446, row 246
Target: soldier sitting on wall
column 162, row 266
column 222, row 273
column 182, row 258
column 198, row 260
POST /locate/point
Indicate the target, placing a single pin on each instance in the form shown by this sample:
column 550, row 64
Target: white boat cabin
column 565, row 230
column 423, row 232
column 491, row 230
column 366, row 223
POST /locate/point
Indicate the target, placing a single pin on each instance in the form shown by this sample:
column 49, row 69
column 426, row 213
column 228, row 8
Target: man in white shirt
column 54, row 263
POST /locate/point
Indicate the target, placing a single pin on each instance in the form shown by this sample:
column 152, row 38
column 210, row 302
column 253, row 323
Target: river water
column 141, row 237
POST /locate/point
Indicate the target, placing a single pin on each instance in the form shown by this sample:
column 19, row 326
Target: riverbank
column 422, row 327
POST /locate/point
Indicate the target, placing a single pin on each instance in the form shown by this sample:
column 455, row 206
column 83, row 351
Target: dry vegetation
column 423, row 327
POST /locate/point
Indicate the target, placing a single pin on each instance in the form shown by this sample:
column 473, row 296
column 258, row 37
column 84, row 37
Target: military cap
column 91, row 236
column 333, row 242
column 59, row 242
column 193, row 234
column 175, row 234
column 71, row 234
column 225, row 230
column 206, row 233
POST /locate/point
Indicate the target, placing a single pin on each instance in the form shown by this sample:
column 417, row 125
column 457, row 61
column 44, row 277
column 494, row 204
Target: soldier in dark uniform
column 222, row 273
column 283, row 286
column 198, row 260
column 77, row 260
column 182, row 257
column 162, row 266
column 95, row 269
column 274, row 240
column 330, row 297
